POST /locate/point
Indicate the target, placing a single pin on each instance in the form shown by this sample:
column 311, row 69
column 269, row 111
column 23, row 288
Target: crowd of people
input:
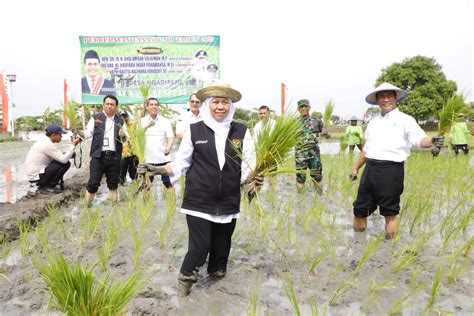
column 212, row 148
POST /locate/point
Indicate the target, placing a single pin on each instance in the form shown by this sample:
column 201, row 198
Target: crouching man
column 45, row 164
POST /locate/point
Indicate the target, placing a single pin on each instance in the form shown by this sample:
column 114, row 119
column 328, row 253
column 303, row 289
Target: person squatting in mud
column 46, row 164
column 214, row 174
column 389, row 138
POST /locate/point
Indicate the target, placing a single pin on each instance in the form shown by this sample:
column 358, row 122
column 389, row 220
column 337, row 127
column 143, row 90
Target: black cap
column 54, row 129
column 212, row 67
column 91, row 54
column 201, row 53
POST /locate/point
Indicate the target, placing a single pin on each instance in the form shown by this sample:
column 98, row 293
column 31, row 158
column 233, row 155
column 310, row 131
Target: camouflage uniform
column 307, row 154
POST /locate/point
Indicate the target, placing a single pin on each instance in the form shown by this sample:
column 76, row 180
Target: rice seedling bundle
column 273, row 146
column 449, row 113
column 76, row 290
column 328, row 113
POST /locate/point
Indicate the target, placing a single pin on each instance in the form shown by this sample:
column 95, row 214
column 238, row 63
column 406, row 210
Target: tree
column 316, row 115
column 427, row 86
column 335, row 119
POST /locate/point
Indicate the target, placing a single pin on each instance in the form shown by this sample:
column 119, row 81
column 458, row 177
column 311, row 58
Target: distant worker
column 389, row 139
column 459, row 135
column 190, row 117
column 265, row 120
column 45, row 164
column 94, row 82
column 307, row 153
column 354, row 134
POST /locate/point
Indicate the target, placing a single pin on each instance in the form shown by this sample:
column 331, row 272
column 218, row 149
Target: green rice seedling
column 76, row 290
column 369, row 251
column 315, row 309
column 103, row 252
column 71, row 114
column 24, row 229
column 344, row 287
column 272, row 148
column 253, row 298
column 328, row 109
column 144, row 209
column 435, row 287
column 374, row 293
column 291, row 294
column 137, row 140
column 90, row 222
column 343, row 143
column 400, row 304
column 322, row 255
column 57, row 221
column 416, row 279
column 455, row 270
column 6, row 249
column 454, row 106
column 453, row 229
column 138, row 247
column 408, row 254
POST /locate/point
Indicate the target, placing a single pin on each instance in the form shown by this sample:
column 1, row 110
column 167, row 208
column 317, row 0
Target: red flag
column 283, row 97
column 3, row 92
column 66, row 104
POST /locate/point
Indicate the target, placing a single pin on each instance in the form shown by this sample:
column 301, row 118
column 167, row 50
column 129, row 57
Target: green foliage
column 372, row 111
column 425, row 82
column 449, row 114
column 246, row 117
column 52, row 117
column 328, row 113
column 145, row 91
column 76, row 290
column 30, row 123
column 316, row 115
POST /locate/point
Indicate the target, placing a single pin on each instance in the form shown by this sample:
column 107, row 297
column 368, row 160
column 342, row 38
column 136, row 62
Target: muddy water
column 275, row 244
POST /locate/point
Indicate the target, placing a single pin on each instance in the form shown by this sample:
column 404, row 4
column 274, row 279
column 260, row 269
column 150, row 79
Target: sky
column 321, row 50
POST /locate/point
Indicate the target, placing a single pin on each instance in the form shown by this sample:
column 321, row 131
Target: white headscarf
column 220, row 128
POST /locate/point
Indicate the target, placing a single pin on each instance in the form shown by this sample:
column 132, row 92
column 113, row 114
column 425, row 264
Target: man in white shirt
column 159, row 138
column 105, row 129
column 190, row 117
column 389, row 138
column 45, row 164
column 264, row 114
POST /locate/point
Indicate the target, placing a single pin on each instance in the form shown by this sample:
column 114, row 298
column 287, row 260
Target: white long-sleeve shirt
column 183, row 160
column 41, row 154
column 391, row 137
column 109, row 140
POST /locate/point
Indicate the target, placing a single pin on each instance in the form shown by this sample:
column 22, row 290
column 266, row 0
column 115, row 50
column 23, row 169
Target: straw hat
column 401, row 94
column 219, row 89
column 354, row 118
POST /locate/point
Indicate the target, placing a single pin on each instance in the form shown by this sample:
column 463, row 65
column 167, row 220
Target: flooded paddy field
column 291, row 254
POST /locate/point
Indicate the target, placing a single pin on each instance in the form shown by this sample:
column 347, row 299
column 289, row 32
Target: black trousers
column 108, row 165
column 128, row 164
column 165, row 179
column 206, row 237
column 352, row 147
column 381, row 185
column 463, row 147
column 53, row 174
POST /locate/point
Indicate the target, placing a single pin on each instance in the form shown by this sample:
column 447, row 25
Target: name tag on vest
column 200, row 142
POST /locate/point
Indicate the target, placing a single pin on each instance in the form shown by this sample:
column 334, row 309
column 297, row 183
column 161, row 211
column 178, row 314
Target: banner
column 173, row 67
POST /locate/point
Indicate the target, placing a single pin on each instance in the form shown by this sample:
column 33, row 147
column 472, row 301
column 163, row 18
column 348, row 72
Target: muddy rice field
column 292, row 254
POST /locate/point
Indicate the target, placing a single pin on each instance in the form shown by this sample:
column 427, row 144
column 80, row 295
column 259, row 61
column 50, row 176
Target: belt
column 384, row 162
column 108, row 153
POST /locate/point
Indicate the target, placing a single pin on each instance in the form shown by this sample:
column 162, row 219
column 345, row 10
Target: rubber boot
column 185, row 283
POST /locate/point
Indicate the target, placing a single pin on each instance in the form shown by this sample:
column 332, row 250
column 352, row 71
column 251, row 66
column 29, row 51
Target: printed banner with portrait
column 173, row 67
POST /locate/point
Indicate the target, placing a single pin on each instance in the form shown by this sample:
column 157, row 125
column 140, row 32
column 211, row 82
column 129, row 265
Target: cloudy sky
column 321, row 49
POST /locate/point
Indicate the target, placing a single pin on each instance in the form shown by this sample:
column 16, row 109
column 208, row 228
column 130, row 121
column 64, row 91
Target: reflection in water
column 9, row 179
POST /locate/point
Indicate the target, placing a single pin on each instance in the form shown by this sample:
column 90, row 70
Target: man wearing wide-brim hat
column 389, row 139
column 209, row 158
column 354, row 134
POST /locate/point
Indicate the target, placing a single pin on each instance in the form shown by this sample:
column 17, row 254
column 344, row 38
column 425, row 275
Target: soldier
column 307, row 150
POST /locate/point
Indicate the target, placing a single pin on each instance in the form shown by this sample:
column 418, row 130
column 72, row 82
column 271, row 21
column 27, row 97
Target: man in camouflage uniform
column 307, row 150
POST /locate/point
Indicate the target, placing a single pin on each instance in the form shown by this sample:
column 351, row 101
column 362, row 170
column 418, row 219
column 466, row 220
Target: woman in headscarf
column 209, row 157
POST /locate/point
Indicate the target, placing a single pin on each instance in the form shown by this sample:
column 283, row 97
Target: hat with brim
column 354, row 118
column 371, row 98
column 222, row 90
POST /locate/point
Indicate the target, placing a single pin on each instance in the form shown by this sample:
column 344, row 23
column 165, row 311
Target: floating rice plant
column 273, row 146
column 76, row 290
